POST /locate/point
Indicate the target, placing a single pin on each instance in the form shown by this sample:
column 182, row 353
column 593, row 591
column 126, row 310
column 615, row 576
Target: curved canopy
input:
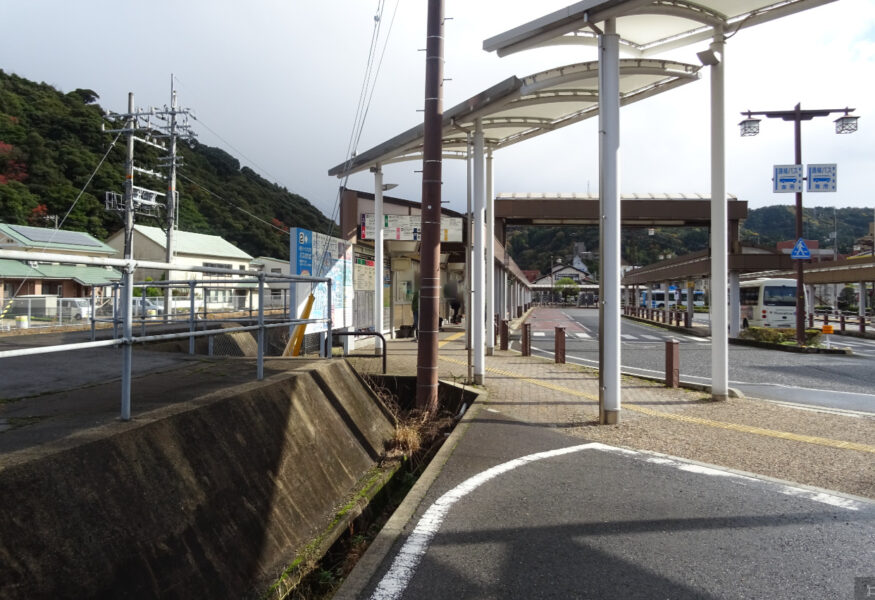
column 645, row 28
column 518, row 109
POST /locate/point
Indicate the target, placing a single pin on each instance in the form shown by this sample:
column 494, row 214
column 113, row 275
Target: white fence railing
column 126, row 310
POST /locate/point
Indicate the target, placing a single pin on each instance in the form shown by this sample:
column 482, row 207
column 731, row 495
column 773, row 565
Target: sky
column 276, row 83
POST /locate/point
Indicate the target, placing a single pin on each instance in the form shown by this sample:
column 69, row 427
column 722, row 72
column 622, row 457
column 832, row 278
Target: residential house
column 68, row 280
column 191, row 249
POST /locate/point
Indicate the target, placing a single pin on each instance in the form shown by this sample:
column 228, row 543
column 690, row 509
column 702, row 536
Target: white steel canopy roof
column 646, row 27
column 518, row 109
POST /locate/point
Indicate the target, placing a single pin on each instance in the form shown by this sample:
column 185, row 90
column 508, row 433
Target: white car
column 144, row 307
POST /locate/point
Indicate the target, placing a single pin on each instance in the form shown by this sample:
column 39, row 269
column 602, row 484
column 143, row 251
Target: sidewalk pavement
column 684, row 498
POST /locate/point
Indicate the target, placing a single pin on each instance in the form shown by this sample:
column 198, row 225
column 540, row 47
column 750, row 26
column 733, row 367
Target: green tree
column 565, row 287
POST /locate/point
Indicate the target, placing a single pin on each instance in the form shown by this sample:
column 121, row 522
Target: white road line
column 584, row 336
column 539, row 333
column 626, row 336
column 395, row 581
column 651, row 337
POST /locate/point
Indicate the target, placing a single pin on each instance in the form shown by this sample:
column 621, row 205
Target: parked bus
column 698, row 297
column 768, row 303
column 656, row 298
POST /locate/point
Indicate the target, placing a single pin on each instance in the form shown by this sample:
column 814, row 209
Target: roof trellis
column 521, row 108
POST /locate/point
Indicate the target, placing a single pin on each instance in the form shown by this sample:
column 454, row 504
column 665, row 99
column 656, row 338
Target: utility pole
column 135, row 199
column 129, row 181
column 427, row 350
column 172, row 131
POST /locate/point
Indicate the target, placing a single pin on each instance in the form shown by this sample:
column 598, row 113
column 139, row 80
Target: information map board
column 320, row 255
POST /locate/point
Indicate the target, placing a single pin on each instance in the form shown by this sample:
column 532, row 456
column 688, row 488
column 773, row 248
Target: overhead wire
column 369, row 84
column 243, row 210
column 72, row 206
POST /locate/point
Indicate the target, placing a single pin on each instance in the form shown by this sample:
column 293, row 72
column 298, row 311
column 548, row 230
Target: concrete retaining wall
column 207, row 503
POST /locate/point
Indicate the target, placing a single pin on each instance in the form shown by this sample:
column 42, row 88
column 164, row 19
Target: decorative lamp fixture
column 847, row 123
column 750, row 126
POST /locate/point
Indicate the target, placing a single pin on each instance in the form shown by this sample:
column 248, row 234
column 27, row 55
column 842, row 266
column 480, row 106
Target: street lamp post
column 750, row 127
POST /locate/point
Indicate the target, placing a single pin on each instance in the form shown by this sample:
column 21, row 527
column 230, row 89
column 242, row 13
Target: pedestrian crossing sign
column 800, row 250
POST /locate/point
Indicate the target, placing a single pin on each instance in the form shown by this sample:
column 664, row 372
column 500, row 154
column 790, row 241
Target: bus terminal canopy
column 645, row 27
column 518, row 109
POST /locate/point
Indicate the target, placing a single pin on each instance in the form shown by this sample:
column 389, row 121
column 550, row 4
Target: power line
column 211, row 193
column 72, row 206
column 365, row 96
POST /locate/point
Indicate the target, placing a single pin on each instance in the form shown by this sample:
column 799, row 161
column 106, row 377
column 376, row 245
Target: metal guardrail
column 365, row 333
column 123, row 311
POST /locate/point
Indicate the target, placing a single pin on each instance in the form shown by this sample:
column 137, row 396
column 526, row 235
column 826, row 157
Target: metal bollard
column 842, row 323
column 505, row 333
column 826, row 318
column 527, row 339
column 672, row 363
column 559, row 346
column 862, row 324
column 687, row 320
column 811, row 319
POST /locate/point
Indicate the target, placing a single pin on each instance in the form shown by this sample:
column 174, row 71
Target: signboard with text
column 320, row 255
column 787, row 179
column 822, row 178
column 409, row 228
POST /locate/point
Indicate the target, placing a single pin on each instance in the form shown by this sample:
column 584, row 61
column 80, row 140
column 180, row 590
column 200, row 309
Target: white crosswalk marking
column 650, row 337
column 539, row 333
column 583, row 336
column 626, row 336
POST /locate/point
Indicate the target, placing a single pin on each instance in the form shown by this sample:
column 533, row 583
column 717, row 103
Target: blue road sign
column 800, row 250
column 822, row 178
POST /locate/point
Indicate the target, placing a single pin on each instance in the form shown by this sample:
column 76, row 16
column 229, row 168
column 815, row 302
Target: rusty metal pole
column 559, row 346
column 505, row 333
column 800, row 271
column 672, row 363
column 527, row 339
column 427, row 350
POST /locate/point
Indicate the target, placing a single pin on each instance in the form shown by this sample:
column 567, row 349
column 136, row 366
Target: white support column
column 691, row 299
column 719, row 229
column 477, row 311
column 378, row 256
column 666, row 285
column 609, row 180
column 490, row 257
column 809, row 301
column 734, row 304
column 469, row 248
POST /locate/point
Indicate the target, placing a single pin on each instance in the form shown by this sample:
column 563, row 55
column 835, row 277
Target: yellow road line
column 450, row 338
column 796, row 437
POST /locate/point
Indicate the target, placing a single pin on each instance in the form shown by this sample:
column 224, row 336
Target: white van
column 74, row 308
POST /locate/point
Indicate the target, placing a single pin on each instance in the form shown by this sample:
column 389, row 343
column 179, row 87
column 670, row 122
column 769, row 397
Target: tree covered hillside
column 50, row 143
column 534, row 247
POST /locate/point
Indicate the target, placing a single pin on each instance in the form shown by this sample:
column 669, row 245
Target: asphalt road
column 521, row 512
column 831, row 380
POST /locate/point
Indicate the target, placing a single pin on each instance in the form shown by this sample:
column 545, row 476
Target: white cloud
column 279, row 80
